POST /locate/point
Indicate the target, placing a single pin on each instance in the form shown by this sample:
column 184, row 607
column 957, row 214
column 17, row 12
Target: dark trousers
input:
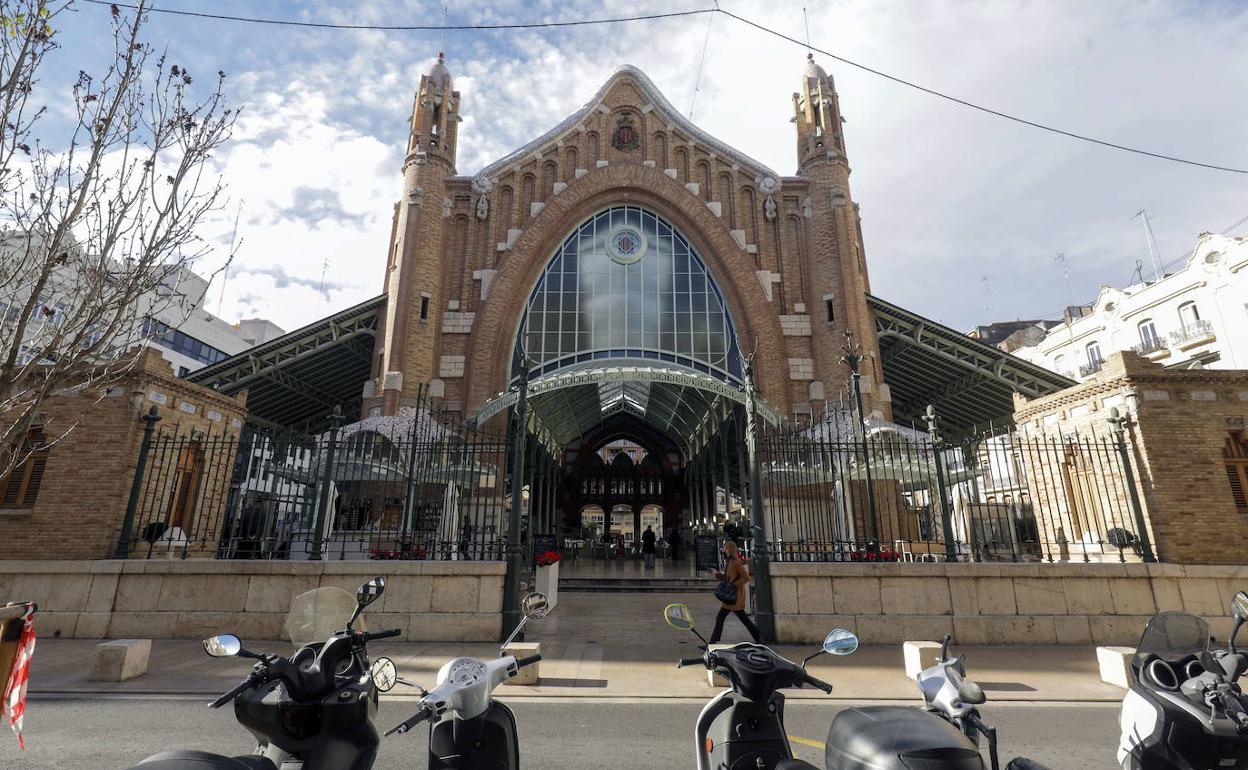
column 745, row 621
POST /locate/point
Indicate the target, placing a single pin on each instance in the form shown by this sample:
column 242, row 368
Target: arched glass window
column 627, row 285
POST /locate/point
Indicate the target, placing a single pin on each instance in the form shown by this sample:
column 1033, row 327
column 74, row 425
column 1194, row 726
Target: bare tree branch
column 99, row 227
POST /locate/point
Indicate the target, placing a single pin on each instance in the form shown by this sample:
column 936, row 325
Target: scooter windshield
column 1173, row 636
column 318, row 614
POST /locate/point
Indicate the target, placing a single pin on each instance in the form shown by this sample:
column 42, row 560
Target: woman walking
column 734, row 572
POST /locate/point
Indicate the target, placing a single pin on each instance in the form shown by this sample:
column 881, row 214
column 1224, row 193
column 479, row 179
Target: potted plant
column 548, row 576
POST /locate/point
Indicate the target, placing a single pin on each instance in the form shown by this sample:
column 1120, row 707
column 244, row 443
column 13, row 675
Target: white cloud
column 949, row 196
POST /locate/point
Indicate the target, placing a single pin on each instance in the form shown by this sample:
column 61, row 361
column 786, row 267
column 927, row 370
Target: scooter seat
column 795, row 764
column 189, row 759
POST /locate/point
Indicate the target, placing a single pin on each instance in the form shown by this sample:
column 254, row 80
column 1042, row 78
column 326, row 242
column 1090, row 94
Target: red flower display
column 548, row 558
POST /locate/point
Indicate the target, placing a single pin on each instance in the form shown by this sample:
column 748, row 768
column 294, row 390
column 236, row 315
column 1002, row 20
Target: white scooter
column 469, row 730
column 1186, row 710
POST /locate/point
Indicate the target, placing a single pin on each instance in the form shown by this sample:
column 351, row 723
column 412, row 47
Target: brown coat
column 738, row 575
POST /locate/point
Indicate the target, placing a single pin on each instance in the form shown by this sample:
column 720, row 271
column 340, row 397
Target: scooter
column 468, row 729
column 315, row 708
column 942, row 735
column 743, row 726
column 1186, row 710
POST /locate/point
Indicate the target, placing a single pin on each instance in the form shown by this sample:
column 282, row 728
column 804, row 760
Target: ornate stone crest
column 482, row 186
column 626, row 138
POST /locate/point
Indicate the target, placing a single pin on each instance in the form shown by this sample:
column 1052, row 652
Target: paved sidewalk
column 603, row 645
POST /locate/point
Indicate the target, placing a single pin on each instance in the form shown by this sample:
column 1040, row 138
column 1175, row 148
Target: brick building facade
column 1188, row 446
column 466, row 252
column 68, row 500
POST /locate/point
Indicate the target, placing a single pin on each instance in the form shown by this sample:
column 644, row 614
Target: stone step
column 635, row 585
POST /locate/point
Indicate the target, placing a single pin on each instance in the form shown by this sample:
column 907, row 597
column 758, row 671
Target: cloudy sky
column 964, row 214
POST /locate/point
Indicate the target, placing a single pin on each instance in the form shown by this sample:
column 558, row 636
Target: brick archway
column 498, row 318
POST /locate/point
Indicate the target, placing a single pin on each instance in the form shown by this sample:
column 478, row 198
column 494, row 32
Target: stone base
column 1115, row 665
column 714, row 677
column 919, row 656
column 120, row 659
column 529, row 675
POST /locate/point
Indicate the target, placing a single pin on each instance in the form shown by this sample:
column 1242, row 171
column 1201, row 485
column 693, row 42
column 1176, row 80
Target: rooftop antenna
column 1138, row 275
column 806, row 20
column 324, row 267
column 1152, row 243
column 442, row 37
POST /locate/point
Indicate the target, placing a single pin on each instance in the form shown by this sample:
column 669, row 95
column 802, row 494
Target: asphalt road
column 77, row 733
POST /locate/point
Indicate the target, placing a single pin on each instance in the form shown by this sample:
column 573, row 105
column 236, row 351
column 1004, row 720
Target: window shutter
column 12, row 485
column 34, row 479
column 1236, row 458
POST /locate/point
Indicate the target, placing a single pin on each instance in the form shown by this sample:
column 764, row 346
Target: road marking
column 808, row 742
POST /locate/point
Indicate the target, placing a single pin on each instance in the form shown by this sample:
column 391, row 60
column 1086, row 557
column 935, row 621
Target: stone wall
column 996, row 603
column 430, row 601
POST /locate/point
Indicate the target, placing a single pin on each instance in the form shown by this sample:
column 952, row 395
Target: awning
column 296, row 380
column 970, row 384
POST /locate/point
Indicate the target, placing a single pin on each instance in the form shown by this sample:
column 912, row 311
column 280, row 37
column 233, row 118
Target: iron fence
column 415, row 485
column 835, row 493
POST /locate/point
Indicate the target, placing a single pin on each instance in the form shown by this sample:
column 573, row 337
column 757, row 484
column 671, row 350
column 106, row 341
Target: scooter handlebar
column 368, row 637
column 813, row 682
column 522, row 662
column 232, row 694
column 422, row 714
column 690, row 662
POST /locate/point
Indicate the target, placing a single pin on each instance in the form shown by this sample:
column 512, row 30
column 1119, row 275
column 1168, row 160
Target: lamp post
column 938, row 449
column 853, row 359
column 515, row 554
column 1118, row 429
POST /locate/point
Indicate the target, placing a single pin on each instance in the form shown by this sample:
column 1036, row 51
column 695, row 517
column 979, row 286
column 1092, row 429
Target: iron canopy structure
column 297, row 379
column 971, row 385
column 566, row 404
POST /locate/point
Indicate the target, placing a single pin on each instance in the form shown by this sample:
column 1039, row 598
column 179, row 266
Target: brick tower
column 407, row 347
column 837, row 269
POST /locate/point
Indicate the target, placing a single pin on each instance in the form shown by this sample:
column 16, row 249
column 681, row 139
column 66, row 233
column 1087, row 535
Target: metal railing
column 902, row 495
column 1150, row 345
column 1090, row 368
column 416, row 485
column 1192, row 330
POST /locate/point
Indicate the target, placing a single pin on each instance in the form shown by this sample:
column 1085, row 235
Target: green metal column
column 1118, row 426
column 515, row 552
column 762, row 576
column 938, row 449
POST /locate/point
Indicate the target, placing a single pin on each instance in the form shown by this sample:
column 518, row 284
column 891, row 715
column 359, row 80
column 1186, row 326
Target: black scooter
column 315, row 707
column 743, row 726
column 468, row 729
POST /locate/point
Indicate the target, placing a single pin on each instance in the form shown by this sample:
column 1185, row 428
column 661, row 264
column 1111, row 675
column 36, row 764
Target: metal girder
column 302, row 388
column 647, row 371
column 234, row 373
column 969, row 383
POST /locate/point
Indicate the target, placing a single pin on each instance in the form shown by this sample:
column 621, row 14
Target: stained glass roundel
column 626, row 284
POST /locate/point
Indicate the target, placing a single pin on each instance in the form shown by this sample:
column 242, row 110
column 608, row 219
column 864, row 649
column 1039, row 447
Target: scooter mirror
column 840, row 642
column 370, row 591
column 223, row 646
column 535, row 606
column 678, row 616
column 1239, row 607
column 384, row 674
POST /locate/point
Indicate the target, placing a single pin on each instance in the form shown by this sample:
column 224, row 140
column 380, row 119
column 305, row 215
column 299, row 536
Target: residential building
column 1194, row 318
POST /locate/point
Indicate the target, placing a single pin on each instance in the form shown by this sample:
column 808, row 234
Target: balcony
column 1193, row 334
column 1090, row 368
column 1152, row 348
